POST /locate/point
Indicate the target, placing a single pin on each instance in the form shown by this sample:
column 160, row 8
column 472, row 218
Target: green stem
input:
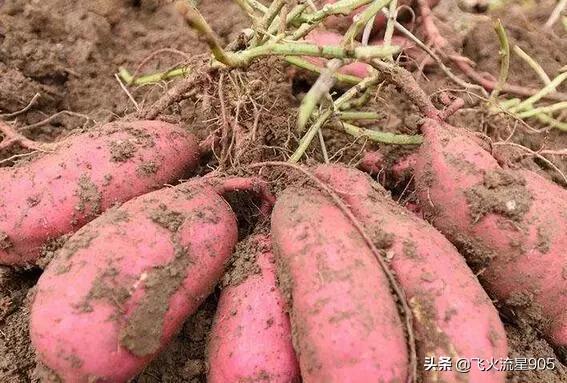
column 544, row 109
column 196, row 21
column 390, row 25
column 308, row 137
column 151, row 78
column 552, row 122
column 533, row 64
column 382, row 137
column 342, row 7
column 292, row 15
column 347, row 96
column 301, row 63
column 273, row 10
column 362, row 20
column 305, row 49
column 359, row 88
column 358, row 102
column 312, row 20
column 504, row 59
column 320, row 88
column 351, row 116
column 257, row 6
column 539, row 95
column 247, row 8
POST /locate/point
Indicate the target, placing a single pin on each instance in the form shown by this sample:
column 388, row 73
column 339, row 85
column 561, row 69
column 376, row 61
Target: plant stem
column 533, row 64
column 312, row 20
column 197, row 22
column 381, row 137
column 269, row 16
column 257, row 6
column 347, row 96
column 552, row 122
column 320, row 88
column 544, row 109
column 301, row 63
column 541, row 94
column 390, row 25
column 504, row 59
column 351, row 116
column 305, row 49
column 247, row 8
column 308, row 137
column 362, row 20
column 341, row 7
column 151, row 78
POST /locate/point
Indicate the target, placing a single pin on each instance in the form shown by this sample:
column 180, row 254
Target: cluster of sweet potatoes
column 347, row 285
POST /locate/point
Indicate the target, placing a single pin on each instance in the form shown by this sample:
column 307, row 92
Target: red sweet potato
column 453, row 316
column 510, row 223
column 59, row 192
column 122, row 286
column 345, row 322
column 251, row 337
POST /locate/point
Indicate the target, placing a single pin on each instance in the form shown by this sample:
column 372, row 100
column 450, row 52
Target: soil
column 68, row 52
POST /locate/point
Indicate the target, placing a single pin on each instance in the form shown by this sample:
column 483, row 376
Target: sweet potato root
column 122, row 286
column 453, row 316
column 346, row 326
column 251, row 337
column 61, row 191
column 510, row 223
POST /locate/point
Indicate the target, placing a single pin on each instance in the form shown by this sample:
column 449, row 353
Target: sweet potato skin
column 88, row 173
column 345, row 323
column 510, row 223
column 453, row 316
column 122, row 286
column 251, row 336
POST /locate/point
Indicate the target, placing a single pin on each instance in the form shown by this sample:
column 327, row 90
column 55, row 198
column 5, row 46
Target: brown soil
column 69, row 51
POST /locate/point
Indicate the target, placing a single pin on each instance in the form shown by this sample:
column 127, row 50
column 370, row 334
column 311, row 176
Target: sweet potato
column 251, row 337
column 59, row 192
column 453, row 316
column 344, row 319
column 121, row 287
column 510, row 223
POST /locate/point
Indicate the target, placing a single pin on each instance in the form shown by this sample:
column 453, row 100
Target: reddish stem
column 438, row 41
column 12, row 137
column 451, row 109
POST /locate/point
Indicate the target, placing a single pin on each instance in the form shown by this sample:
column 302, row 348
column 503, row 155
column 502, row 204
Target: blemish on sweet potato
column 89, row 196
column 142, row 334
column 543, row 240
column 79, row 241
column 166, row 218
column 148, row 168
column 501, row 192
column 105, row 287
column 122, row 151
column 5, row 242
column 242, row 264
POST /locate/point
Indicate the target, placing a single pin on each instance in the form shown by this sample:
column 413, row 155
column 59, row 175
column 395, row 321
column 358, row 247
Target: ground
column 68, row 53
